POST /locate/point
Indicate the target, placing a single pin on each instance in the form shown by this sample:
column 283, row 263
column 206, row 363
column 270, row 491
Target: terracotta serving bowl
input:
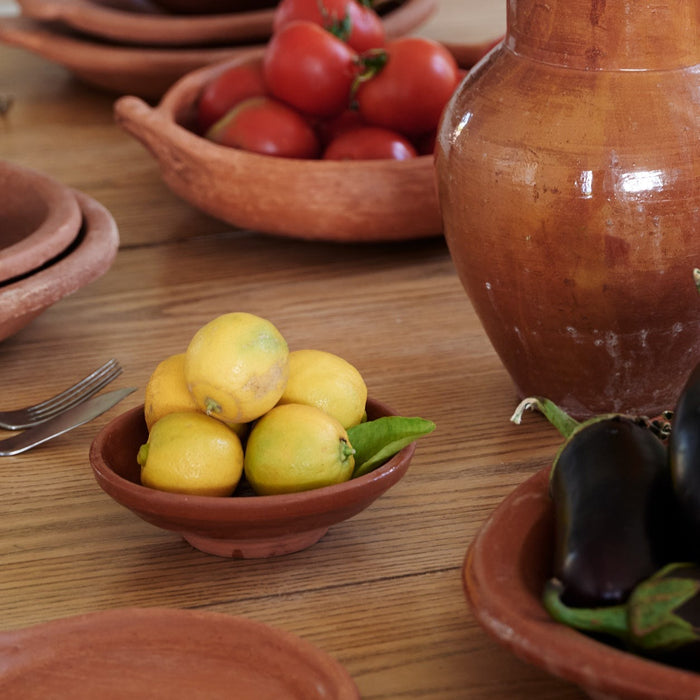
column 504, row 573
column 39, row 218
column 146, row 72
column 140, row 22
column 380, row 200
column 89, row 257
column 240, row 526
column 164, row 654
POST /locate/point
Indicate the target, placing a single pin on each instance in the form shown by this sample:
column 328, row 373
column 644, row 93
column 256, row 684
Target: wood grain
column 381, row 592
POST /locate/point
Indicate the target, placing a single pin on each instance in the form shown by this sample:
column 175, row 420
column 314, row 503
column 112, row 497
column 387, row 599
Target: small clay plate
column 39, row 218
column 164, row 654
column 87, row 258
column 144, row 22
column 504, row 573
column 241, row 526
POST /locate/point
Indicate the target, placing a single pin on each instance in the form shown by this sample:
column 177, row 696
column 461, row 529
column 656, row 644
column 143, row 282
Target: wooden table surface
column 381, row 592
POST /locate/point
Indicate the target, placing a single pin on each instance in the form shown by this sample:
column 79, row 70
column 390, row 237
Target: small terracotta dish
column 164, row 654
column 504, row 573
column 349, row 201
column 87, row 258
column 39, row 218
column 239, row 526
column 144, row 71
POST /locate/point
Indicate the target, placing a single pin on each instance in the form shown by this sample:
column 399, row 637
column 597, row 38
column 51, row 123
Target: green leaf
column 376, row 441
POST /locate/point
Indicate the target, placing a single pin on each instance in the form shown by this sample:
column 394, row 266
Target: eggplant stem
column 610, row 620
column 561, row 420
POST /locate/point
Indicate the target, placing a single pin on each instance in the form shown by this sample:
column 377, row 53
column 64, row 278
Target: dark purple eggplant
column 684, row 456
column 613, row 505
column 614, row 516
column 660, row 619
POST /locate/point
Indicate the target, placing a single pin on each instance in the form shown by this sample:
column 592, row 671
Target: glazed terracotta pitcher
column 568, row 167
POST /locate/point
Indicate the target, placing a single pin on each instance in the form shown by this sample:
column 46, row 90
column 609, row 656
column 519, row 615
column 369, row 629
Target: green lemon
column 295, row 447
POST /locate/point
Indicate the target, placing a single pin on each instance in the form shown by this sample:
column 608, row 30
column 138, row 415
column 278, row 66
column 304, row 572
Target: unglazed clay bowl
column 238, row 526
column 144, row 23
column 39, row 218
column 349, row 201
column 144, row 71
column 87, row 258
column 504, row 573
column 164, row 654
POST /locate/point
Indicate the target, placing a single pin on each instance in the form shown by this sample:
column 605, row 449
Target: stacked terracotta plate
column 53, row 240
column 141, row 47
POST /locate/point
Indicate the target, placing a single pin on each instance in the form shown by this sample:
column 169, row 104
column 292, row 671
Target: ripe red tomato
column 310, row 69
column 369, row 143
column 229, row 88
column 353, row 21
column 410, row 91
column 264, row 125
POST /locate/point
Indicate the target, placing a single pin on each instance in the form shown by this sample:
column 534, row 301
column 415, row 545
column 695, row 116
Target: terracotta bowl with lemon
column 242, row 526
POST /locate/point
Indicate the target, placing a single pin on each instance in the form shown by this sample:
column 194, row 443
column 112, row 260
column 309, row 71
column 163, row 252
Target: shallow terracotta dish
column 146, row 72
column 39, row 218
column 89, row 257
column 164, row 654
column 240, row 526
column 380, row 200
column 504, row 573
column 142, row 22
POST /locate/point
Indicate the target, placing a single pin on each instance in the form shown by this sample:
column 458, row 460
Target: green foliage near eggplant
column 659, row 618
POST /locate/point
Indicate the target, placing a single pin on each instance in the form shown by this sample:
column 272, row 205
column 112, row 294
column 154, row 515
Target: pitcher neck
column 606, row 34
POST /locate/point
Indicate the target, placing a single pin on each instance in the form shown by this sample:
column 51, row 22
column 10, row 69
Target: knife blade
column 72, row 418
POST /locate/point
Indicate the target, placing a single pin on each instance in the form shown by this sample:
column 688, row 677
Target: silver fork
column 80, row 391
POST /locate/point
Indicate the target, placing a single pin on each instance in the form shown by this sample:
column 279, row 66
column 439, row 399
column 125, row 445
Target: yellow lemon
column 166, row 391
column 329, row 382
column 191, row 453
column 236, row 367
column 296, row 448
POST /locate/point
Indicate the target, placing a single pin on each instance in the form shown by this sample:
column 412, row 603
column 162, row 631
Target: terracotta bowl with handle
column 240, row 526
column 344, row 201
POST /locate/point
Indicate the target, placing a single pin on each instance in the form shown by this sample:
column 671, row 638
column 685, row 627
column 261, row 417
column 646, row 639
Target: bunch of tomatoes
column 329, row 85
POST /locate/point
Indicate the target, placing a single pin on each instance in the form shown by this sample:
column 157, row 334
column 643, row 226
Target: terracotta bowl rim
column 215, row 509
column 56, row 231
column 508, row 610
column 80, row 52
column 70, row 272
column 116, row 628
column 165, row 28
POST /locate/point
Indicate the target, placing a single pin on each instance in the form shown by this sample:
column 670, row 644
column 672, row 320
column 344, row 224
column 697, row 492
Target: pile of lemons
column 238, row 401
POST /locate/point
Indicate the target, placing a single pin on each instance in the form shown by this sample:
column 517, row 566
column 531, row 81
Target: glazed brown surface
column 569, row 170
column 381, row 592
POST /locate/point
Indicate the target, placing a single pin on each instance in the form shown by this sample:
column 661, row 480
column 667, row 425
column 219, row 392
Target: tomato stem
column 370, row 63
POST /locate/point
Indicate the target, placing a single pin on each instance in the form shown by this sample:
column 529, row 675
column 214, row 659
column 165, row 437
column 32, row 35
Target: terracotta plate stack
column 53, row 240
column 141, row 47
